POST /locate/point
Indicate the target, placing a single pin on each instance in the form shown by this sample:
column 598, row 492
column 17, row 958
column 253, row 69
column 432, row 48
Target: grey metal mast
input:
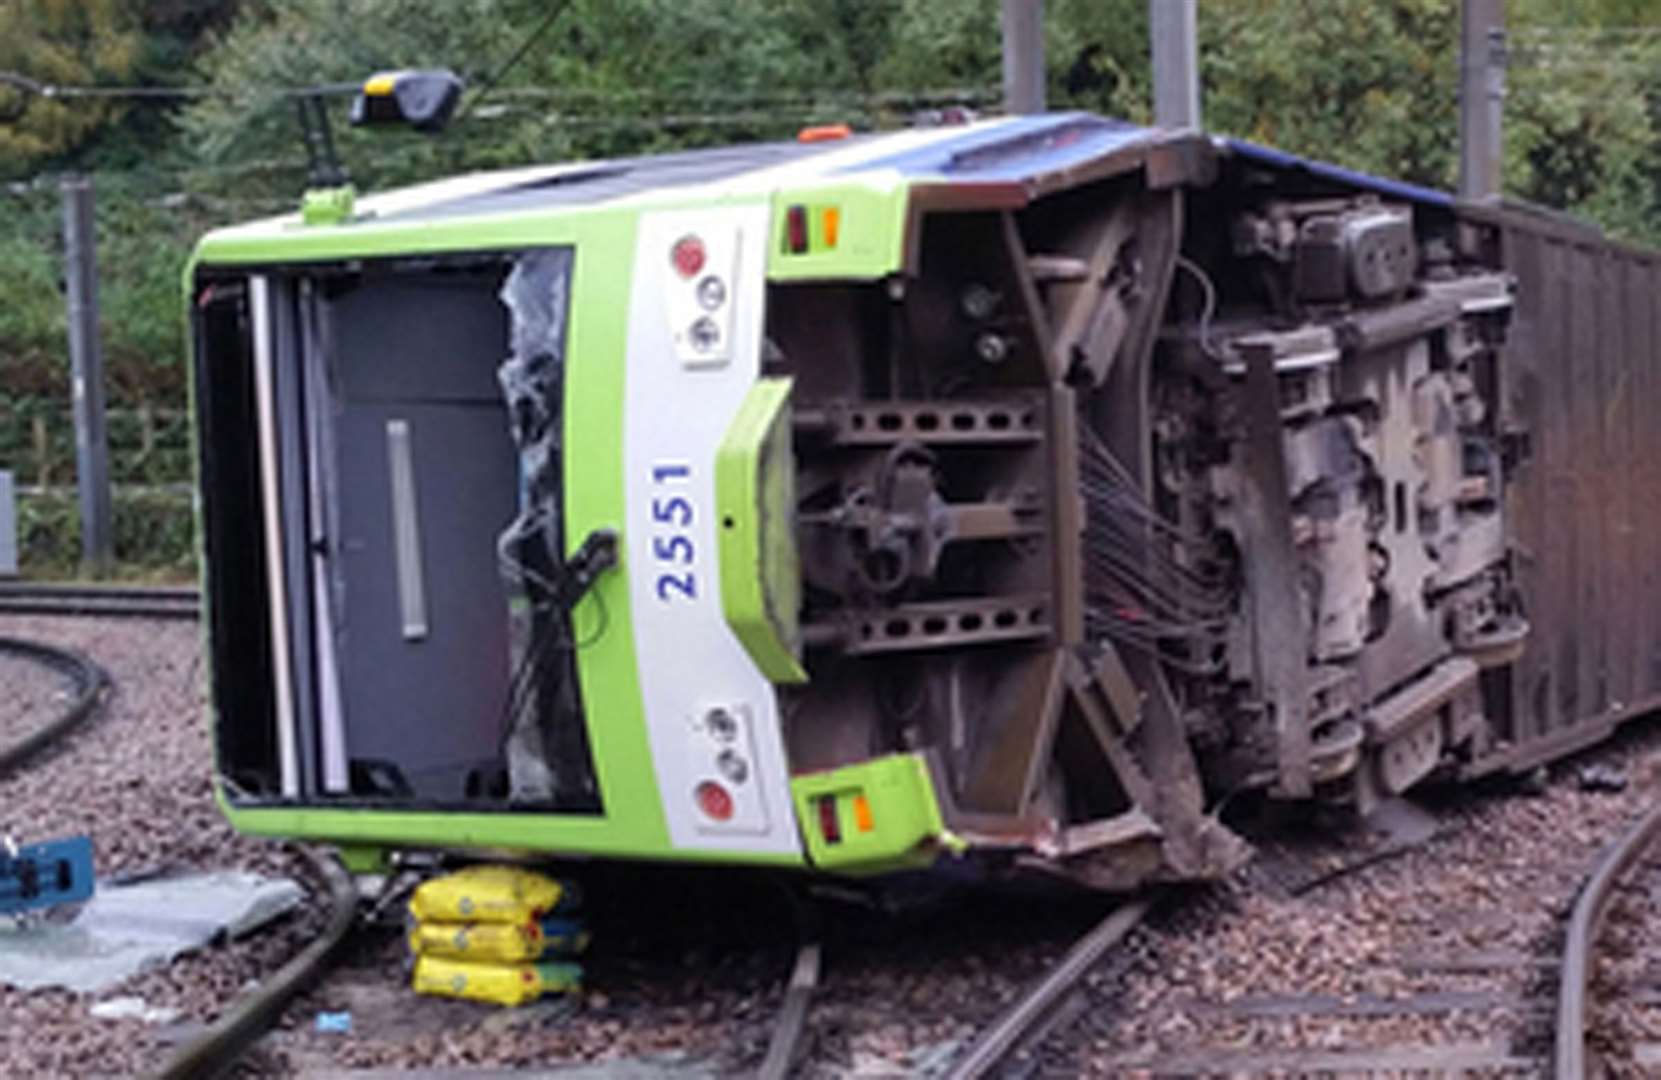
column 86, row 359
column 1481, row 96
column 1023, row 36
column 1172, row 41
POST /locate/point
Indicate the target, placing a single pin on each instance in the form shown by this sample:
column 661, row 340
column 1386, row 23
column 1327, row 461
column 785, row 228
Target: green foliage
column 32, row 326
column 147, row 445
column 153, row 531
column 1372, row 84
column 271, row 49
column 68, row 42
column 1583, row 111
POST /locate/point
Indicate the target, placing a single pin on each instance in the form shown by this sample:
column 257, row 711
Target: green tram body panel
column 1009, row 492
column 602, row 233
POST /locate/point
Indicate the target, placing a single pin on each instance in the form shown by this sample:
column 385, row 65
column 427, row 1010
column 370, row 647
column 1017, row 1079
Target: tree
column 59, row 42
column 1583, row 111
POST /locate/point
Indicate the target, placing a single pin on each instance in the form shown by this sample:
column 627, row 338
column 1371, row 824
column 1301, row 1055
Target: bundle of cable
column 486, row 933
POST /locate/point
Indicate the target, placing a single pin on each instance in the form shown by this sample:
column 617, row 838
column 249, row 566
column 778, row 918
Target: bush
column 154, row 532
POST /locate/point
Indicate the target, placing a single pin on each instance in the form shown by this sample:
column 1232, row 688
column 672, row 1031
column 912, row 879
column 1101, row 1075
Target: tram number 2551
column 672, row 549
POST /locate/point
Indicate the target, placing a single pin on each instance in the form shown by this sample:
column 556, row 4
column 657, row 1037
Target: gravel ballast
column 1452, row 944
column 136, row 779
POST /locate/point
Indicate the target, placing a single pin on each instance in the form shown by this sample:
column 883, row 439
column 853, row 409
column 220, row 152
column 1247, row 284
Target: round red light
column 687, row 256
column 714, row 800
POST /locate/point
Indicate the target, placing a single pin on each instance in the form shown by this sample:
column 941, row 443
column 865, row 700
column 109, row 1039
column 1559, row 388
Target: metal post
column 1481, row 96
column 1023, row 27
column 1172, row 34
column 8, row 525
column 86, row 358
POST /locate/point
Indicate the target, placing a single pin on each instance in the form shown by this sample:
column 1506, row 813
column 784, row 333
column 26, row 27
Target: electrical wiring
column 1208, row 307
column 1148, row 582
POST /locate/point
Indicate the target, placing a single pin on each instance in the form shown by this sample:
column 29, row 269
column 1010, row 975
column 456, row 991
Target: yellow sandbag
column 496, row 943
column 499, row 943
column 504, row 984
column 498, row 894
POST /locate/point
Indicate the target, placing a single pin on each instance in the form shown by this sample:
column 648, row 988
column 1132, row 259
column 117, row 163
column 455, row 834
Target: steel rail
column 215, row 1051
column 1584, row 924
column 90, row 681
column 63, row 598
column 781, row 1050
column 75, row 588
column 997, row 1042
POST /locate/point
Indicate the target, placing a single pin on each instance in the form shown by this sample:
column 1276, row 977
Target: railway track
column 1027, row 1018
column 216, row 1050
column 89, row 682
column 1618, row 868
column 1039, row 1014
column 115, row 601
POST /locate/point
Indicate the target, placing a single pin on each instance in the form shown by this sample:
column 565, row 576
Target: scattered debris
column 124, row 929
column 1602, row 778
column 334, row 1023
column 44, row 875
column 133, row 1008
column 933, row 1060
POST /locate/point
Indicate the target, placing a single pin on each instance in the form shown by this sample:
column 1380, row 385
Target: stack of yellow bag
column 491, row 933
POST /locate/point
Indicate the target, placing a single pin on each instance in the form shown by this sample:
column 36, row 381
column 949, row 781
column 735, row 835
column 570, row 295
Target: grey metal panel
column 1557, row 463
column 1520, row 376
column 433, row 705
column 1648, row 485
column 1618, row 375
column 1591, row 467
column 291, row 471
column 407, row 339
column 1583, row 377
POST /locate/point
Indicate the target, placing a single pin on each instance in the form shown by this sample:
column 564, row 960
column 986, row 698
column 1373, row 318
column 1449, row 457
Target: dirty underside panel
column 1580, row 378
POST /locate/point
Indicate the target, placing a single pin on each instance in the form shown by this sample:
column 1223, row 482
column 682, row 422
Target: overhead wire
column 518, row 55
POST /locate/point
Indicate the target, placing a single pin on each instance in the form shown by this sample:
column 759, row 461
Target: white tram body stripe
column 711, row 716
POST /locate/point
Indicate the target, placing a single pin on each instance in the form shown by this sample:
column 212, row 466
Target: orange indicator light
column 862, row 813
column 830, row 221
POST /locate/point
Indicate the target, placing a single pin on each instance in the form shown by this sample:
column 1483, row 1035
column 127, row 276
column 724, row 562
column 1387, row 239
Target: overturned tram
column 1007, row 495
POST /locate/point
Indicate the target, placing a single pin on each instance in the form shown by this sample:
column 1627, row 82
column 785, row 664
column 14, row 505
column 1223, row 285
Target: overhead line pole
column 86, row 359
column 1174, row 47
column 1023, row 37
column 1481, row 97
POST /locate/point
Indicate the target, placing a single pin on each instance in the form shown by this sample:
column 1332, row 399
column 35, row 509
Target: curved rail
column 994, row 1044
column 90, row 681
column 216, row 1050
column 133, row 601
column 1588, row 915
